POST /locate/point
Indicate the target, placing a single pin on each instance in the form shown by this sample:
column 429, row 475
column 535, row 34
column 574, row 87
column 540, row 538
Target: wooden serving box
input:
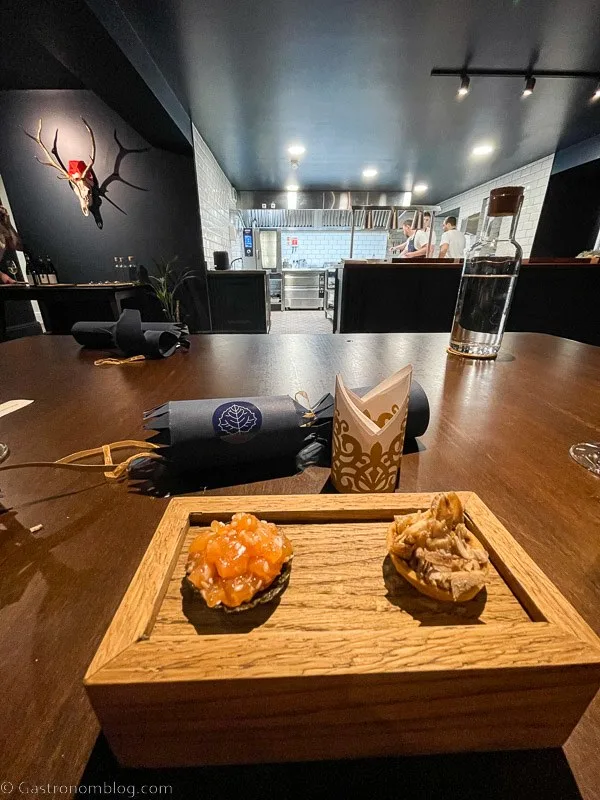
column 352, row 662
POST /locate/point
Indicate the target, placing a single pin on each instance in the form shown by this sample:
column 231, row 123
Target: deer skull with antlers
column 81, row 177
column 79, row 174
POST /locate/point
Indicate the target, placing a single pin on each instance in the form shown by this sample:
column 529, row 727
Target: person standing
column 453, row 242
column 408, row 231
column 418, row 246
column 9, row 244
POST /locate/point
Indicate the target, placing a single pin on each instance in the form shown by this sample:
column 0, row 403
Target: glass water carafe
column 488, row 279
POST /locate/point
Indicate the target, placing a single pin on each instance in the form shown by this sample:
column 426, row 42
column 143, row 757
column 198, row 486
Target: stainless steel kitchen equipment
column 276, row 290
column 272, row 203
column 330, row 288
column 303, row 288
column 370, row 217
column 251, row 248
column 270, row 249
column 262, row 248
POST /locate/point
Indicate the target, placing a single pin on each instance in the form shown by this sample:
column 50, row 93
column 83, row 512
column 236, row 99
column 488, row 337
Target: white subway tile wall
column 217, row 198
column 318, row 246
column 534, row 177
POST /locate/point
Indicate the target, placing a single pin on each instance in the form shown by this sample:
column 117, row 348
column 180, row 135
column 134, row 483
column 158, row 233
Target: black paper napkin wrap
column 220, row 433
column 132, row 336
column 200, row 434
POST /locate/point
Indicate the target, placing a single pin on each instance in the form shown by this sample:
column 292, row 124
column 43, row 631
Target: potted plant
column 166, row 286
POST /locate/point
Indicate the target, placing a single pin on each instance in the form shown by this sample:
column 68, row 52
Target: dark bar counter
column 239, row 301
column 63, row 304
column 558, row 297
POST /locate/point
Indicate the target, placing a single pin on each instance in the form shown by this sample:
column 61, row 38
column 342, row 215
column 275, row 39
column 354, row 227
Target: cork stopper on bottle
column 505, row 201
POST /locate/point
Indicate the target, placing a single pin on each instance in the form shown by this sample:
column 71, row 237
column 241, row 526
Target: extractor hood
column 311, row 218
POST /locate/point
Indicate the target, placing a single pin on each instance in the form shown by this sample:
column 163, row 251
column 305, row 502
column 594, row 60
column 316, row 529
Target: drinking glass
column 13, row 270
column 587, row 454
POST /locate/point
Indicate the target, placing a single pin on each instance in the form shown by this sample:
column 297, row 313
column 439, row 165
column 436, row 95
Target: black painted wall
column 160, row 222
column 571, row 213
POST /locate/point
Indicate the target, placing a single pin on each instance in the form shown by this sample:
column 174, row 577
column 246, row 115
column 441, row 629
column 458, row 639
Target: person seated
column 9, row 244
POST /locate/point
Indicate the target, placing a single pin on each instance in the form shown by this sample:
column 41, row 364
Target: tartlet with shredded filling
column 436, row 552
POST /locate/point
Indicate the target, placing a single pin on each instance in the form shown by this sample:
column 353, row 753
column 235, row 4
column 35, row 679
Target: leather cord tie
column 310, row 415
column 116, row 362
column 112, row 471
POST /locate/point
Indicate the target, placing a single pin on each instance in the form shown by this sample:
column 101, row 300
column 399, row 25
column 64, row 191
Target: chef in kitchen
column 453, row 242
column 408, row 231
column 417, row 245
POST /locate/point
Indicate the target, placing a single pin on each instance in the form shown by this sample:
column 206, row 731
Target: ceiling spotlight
column 297, row 150
column 529, row 86
column 463, row 89
column 596, row 95
column 369, row 172
column 292, row 187
column 419, row 188
column 483, row 149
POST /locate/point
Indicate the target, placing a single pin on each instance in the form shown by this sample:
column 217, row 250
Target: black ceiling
column 60, row 44
column 350, row 79
column 25, row 64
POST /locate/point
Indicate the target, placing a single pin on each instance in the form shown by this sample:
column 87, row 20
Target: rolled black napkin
column 200, row 434
column 418, row 415
column 132, row 336
column 217, row 433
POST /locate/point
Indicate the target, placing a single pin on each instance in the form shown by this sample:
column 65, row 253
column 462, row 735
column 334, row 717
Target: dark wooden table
column 63, row 304
column 501, row 429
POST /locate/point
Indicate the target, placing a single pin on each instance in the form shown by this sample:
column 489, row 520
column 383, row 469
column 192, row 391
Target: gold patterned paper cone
column 368, row 435
column 386, row 399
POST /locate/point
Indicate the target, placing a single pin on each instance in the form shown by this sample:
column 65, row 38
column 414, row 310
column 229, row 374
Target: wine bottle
column 34, row 271
column 29, row 270
column 143, row 274
column 51, row 271
column 42, row 274
column 132, row 269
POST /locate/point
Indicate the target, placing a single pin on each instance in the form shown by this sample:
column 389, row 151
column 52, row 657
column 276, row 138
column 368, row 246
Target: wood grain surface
column 500, row 429
column 341, row 580
column 346, row 618
column 349, row 716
